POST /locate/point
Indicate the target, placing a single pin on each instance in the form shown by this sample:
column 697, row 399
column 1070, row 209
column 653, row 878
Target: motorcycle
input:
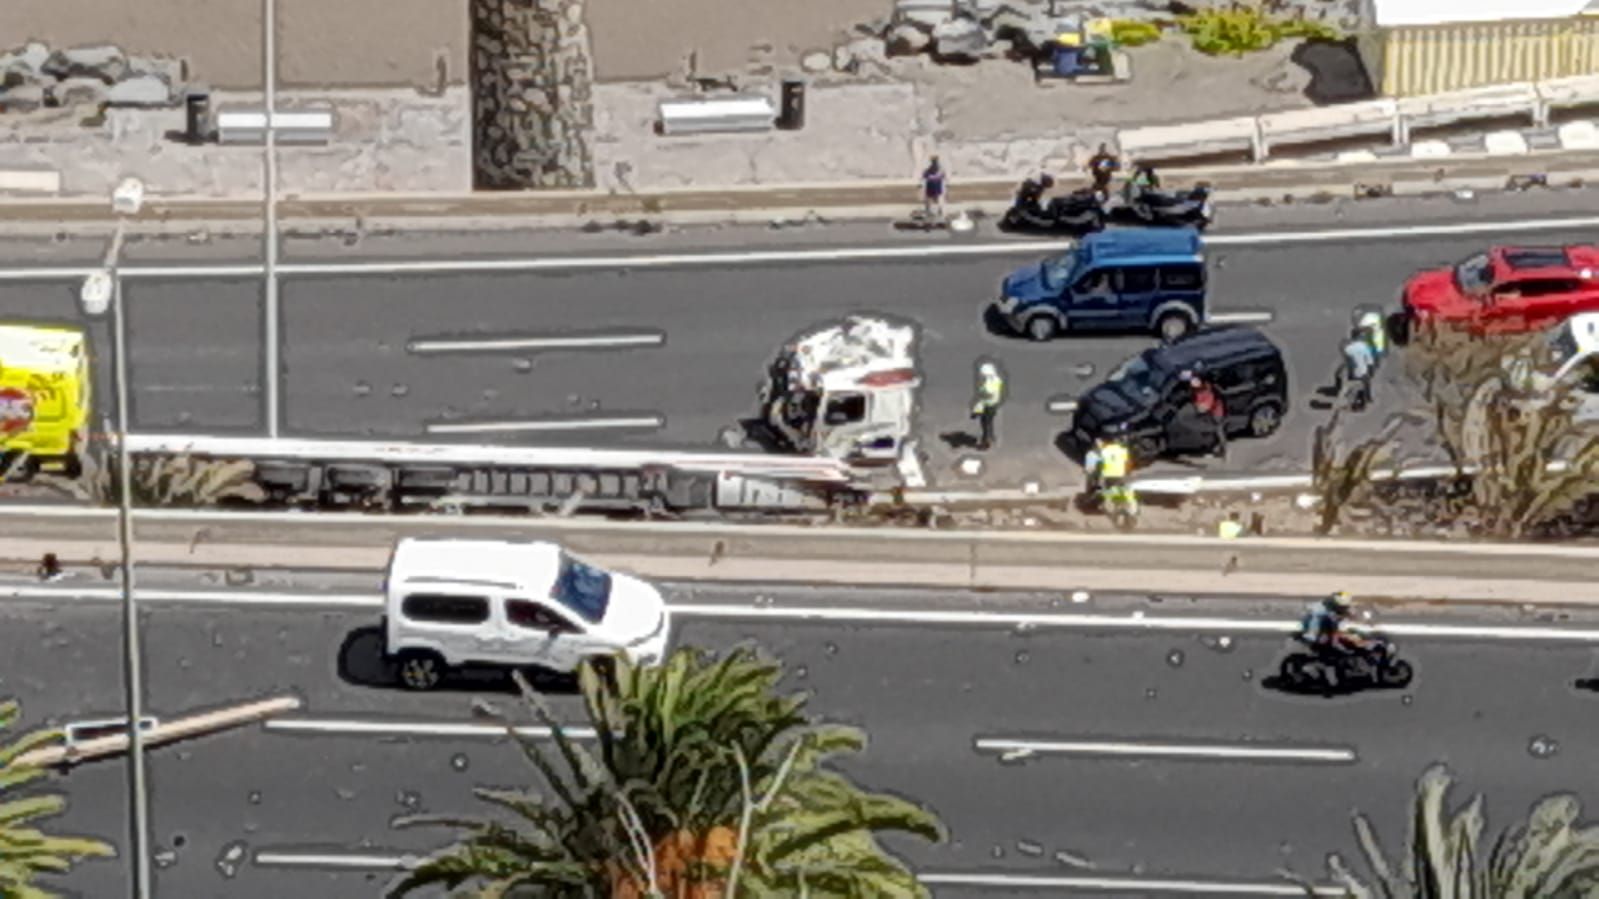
column 1079, row 212
column 1374, row 663
column 1190, row 208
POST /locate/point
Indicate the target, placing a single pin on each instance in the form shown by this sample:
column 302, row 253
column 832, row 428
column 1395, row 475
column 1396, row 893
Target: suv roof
column 1567, row 260
column 1166, row 243
column 523, row 566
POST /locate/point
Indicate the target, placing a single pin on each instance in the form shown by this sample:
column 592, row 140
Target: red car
column 1507, row 290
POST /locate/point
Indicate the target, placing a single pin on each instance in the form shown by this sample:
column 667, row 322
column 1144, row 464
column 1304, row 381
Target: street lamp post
column 270, row 199
column 101, row 291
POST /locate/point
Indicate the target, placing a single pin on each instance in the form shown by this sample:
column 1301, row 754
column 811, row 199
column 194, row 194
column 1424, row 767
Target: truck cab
column 846, row 391
column 1566, row 359
column 1120, row 280
column 44, row 398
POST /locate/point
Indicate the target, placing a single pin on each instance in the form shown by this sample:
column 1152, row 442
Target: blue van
column 1123, row 279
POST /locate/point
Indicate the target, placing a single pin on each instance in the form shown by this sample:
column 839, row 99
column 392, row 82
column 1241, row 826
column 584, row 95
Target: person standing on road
column 1209, row 413
column 1102, row 167
column 934, row 186
column 990, row 394
column 1356, row 370
column 1371, row 328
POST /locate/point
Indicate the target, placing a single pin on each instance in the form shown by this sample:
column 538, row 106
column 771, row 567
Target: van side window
column 1135, row 279
column 1094, row 280
column 846, row 409
column 533, row 616
column 446, row 609
column 1182, row 277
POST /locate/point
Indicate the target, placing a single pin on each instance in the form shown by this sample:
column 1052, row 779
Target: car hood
column 635, row 611
column 1105, row 405
column 1435, row 291
column 1027, row 284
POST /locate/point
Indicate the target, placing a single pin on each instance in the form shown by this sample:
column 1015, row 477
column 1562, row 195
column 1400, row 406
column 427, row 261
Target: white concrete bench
column 1328, row 123
column 1579, row 136
column 248, row 126
column 32, row 181
column 743, row 113
column 1492, row 102
column 1192, row 139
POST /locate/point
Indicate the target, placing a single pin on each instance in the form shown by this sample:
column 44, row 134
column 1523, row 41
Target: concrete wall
column 347, row 43
column 390, row 43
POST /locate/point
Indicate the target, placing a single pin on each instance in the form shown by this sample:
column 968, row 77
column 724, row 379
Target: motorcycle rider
column 1143, row 181
column 1102, row 167
column 1031, row 194
column 1323, row 626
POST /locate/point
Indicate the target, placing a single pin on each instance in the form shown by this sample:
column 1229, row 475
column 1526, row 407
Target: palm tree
column 25, row 853
column 704, row 783
column 1548, row 857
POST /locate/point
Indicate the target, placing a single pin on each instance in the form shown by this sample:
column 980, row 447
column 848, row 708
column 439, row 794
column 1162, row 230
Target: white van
column 515, row 603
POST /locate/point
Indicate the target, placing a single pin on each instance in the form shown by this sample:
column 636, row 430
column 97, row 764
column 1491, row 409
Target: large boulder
column 22, row 98
column 959, row 40
column 140, row 90
column 907, row 40
column 28, row 58
column 862, row 55
column 168, row 69
column 78, row 92
column 104, row 62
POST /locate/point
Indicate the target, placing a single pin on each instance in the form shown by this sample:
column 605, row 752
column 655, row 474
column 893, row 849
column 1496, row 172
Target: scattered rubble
column 33, row 76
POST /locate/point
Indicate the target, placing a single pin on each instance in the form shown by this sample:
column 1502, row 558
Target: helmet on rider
column 1338, row 602
column 1046, row 181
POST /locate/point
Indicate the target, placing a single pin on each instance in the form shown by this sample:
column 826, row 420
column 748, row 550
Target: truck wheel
column 1042, row 328
column 1265, row 419
column 421, row 669
column 1172, row 326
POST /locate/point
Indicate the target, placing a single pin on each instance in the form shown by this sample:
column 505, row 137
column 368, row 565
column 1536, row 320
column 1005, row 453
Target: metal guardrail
column 717, row 114
column 248, row 126
column 1395, row 117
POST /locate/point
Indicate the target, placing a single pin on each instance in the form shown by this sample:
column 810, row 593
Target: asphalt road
column 925, row 694
column 197, row 362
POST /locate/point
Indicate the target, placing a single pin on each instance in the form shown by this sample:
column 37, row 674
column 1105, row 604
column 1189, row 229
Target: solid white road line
column 571, row 424
column 333, row 860
column 411, row 728
column 758, row 257
column 1143, row 886
column 536, row 343
column 1132, row 621
column 1022, row 748
column 1240, row 318
column 195, row 597
column 997, row 881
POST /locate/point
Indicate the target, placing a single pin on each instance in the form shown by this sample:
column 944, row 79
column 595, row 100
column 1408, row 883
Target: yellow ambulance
column 44, row 397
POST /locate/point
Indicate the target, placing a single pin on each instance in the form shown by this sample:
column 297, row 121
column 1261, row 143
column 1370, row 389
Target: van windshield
column 1140, row 374
column 582, row 588
column 1058, row 271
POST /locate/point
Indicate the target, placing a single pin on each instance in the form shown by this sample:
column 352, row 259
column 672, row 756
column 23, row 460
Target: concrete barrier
column 248, row 126
column 720, row 114
column 33, row 181
column 1328, row 123
column 1429, row 149
column 1192, row 139
column 1505, row 143
column 1579, row 136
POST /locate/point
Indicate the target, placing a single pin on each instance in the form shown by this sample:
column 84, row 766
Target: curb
column 1283, row 180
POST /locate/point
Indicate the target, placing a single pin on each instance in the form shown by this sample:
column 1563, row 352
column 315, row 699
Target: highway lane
column 347, row 371
column 925, row 694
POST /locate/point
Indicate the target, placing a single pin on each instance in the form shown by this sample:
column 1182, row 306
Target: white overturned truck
column 332, row 474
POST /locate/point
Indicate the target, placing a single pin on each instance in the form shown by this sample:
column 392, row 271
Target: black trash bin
column 197, row 106
column 791, row 116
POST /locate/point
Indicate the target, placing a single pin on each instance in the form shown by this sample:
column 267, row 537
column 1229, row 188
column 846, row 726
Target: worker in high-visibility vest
column 1376, row 335
column 1113, row 462
column 990, row 394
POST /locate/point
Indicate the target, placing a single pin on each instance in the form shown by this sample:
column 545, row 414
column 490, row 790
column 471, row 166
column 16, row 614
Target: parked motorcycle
column 1191, row 208
column 1374, row 664
column 1079, row 212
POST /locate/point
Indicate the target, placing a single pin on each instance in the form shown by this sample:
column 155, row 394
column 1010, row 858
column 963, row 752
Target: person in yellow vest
column 1231, row 528
column 990, row 394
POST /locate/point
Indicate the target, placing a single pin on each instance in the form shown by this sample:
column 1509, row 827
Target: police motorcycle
column 1079, row 212
column 1143, row 200
column 1370, row 659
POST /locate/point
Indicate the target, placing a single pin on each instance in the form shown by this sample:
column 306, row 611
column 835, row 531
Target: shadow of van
column 363, row 663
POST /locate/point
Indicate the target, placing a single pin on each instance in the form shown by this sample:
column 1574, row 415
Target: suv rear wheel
column 1265, row 418
column 1172, row 326
column 420, row 669
column 1042, row 327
